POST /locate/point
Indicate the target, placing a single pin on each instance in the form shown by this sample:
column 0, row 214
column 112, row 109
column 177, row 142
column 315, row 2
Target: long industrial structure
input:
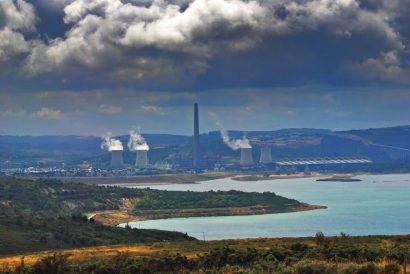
column 322, row 161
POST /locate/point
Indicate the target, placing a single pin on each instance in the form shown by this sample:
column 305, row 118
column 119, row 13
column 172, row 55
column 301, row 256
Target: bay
column 378, row 205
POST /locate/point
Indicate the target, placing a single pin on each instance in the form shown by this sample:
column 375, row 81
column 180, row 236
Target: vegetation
column 52, row 198
column 156, row 199
column 344, row 254
column 33, row 234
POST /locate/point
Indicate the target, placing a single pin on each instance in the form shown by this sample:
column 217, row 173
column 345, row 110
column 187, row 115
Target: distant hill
column 392, row 136
column 25, row 151
column 238, row 133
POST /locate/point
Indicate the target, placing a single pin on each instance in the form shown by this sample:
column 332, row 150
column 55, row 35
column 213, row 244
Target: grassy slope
column 49, row 234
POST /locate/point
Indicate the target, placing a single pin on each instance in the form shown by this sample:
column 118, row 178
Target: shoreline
column 186, row 178
column 115, row 218
column 190, row 178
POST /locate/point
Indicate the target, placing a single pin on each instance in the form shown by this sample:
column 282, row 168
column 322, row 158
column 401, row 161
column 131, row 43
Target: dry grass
column 188, row 249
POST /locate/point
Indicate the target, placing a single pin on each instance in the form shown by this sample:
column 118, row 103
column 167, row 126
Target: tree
column 320, row 238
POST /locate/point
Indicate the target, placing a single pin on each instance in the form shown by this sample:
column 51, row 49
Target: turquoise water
column 380, row 204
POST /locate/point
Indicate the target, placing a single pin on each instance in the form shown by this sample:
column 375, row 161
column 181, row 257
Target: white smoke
column 137, row 142
column 110, row 143
column 233, row 143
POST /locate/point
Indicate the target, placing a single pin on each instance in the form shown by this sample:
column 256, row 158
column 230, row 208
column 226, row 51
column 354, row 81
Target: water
column 378, row 205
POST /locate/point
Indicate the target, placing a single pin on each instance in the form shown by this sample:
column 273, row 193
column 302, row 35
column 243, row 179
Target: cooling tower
column 246, row 157
column 142, row 159
column 197, row 160
column 116, row 159
column 266, row 155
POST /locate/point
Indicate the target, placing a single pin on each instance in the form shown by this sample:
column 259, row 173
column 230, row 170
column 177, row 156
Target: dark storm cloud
column 206, row 43
column 112, row 63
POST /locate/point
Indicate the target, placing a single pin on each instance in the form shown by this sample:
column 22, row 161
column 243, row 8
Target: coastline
column 185, row 178
column 115, row 218
column 161, row 179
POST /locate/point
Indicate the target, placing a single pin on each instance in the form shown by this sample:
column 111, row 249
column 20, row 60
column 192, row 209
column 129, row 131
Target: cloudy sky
column 86, row 67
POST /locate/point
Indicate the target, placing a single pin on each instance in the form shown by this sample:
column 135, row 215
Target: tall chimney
column 116, row 159
column 196, row 138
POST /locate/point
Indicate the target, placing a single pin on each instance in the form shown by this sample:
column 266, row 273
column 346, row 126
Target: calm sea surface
column 380, row 204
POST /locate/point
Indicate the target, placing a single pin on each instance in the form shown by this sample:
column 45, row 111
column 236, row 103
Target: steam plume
column 110, row 143
column 233, row 143
column 137, row 142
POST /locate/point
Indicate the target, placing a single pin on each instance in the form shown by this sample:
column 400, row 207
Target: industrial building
column 142, row 158
column 266, row 155
column 208, row 161
column 246, row 156
column 116, row 159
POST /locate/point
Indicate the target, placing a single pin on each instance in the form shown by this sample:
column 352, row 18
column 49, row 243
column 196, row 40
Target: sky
column 87, row 67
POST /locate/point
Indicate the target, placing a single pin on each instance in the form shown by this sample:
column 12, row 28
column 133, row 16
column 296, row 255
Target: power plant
column 116, row 159
column 266, row 155
column 142, row 158
column 246, row 156
column 197, row 159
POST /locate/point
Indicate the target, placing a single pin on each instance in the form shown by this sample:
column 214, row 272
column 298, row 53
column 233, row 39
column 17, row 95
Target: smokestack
column 266, row 155
column 142, row 159
column 116, row 159
column 196, row 138
column 246, row 157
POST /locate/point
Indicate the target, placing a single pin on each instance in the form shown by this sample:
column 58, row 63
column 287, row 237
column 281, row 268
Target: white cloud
column 18, row 15
column 173, row 41
column 13, row 112
column 151, row 109
column 11, row 43
column 386, row 67
column 16, row 18
column 47, row 113
column 110, row 109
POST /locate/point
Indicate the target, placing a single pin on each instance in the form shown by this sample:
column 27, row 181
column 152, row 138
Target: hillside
column 391, row 136
column 26, row 151
column 52, row 198
column 28, row 234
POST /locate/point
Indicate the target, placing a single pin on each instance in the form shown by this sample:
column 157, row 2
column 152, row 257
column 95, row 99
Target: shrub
column 348, row 269
column 392, row 268
column 369, row 268
column 309, row 267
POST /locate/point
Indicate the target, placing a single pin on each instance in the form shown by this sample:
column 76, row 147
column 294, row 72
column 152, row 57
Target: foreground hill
column 21, row 234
